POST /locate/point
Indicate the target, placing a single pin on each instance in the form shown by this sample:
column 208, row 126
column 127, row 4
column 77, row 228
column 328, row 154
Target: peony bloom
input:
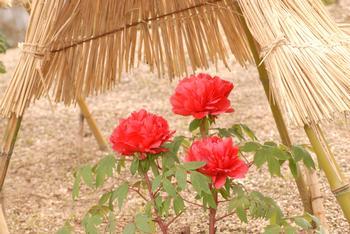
column 221, row 157
column 202, row 95
column 142, row 132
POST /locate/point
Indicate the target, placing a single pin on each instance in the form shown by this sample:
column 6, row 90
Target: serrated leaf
column 169, row 188
column 200, row 182
column 191, row 166
column 195, row 124
column 129, row 229
column 181, row 178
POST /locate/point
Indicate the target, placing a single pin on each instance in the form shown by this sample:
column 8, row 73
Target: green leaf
column 66, row 229
column 134, row 166
column 2, row 68
column 91, row 222
column 181, row 178
column 274, row 166
column 303, row 223
column 200, row 182
column 111, row 227
column 144, row 223
column 156, row 183
column 179, row 205
column 166, row 206
column 104, row 169
column 260, row 157
column 250, row 147
column 191, row 166
column 76, row 186
column 194, row 124
column 236, row 130
column 299, row 153
column 293, row 168
column 86, row 174
column 122, row 194
column 290, row 230
column 249, row 132
column 104, row 198
column 272, row 229
column 242, row 215
column 129, row 229
column 169, row 188
column 209, row 199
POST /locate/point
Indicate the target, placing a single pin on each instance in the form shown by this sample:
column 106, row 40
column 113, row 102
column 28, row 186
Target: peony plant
column 167, row 169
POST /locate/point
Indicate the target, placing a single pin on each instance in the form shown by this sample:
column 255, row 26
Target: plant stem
column 163, row 227
column 203, row 128
column 212, row 215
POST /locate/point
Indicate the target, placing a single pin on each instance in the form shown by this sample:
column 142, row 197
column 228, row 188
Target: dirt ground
column 38, row 186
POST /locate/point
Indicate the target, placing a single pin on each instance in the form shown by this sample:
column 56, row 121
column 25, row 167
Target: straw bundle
column 79, row 48
column 307, row 55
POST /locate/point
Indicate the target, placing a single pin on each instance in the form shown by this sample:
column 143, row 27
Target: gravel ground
column 39, row 182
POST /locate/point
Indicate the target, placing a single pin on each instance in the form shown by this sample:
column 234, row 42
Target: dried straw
column 80, row 48
column 307, row 55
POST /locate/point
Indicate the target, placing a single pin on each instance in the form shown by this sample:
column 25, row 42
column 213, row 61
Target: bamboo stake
column 8, row 145
column 3, row 225
column 92, row 124
column 303, row 188
column 6, row 151
column 337, row 181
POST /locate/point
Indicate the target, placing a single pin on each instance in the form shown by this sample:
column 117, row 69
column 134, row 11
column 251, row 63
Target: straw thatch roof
column 81, row 47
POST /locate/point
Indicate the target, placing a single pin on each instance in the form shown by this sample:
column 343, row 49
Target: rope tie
column 267, row 50
column 343, row 189
column 38, row 51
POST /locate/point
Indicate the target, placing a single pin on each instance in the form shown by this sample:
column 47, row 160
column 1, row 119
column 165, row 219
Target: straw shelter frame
column 196, row 32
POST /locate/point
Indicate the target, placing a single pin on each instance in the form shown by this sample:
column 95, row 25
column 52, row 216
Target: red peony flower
column 221, row 157
column 202, row 95
column 142, row 132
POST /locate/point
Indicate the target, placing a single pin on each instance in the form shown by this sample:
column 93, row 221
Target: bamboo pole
column 92, row 124
column 6, row 151
column 337, row 181
column 303, row 187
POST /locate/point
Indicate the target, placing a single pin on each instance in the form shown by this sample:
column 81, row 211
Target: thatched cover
column 81, row 47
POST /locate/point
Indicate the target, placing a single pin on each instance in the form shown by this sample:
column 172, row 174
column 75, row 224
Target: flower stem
column 212, row 215
column 163, row 227
column 204, row 128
